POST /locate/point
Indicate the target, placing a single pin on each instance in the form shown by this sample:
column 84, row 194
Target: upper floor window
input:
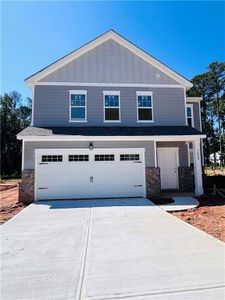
column 144, row 107
column 78, row 106
column 190, row 118
column 111, row 106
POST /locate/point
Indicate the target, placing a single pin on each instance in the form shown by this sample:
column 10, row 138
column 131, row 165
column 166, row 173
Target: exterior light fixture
column 90, row 146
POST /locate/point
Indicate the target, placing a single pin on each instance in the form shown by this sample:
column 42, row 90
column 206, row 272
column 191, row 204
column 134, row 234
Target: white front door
column 168, row 162
column 84, row 173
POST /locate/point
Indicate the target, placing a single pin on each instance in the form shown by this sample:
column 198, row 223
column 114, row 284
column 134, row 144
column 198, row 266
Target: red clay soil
column 4, row 187
column 209, row 216
column 9, row 205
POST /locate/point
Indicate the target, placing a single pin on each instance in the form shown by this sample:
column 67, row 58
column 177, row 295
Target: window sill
column 78, row 121
column 138, row 121
column 106, row 121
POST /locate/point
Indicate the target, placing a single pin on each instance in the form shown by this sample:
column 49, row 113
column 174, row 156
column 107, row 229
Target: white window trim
column 144, row 93
column 113, row 93
column 75, row 92
column 32, row 109
column 191, row 151
column 192, row 115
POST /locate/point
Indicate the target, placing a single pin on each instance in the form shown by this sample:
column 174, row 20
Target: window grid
column 124, row 157
column 104, row 157
column 78, row 105
column 190, row 115
column 111, row 106
column 144, row 107
column 52, row 158
column 80, row 157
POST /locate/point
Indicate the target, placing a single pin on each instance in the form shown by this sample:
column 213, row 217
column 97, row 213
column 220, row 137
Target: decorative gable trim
column 98, row 41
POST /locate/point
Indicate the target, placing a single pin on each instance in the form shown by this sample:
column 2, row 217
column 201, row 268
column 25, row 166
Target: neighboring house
column 109, row 120
column 215, row 158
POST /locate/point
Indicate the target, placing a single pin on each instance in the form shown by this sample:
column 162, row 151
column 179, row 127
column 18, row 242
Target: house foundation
column 186, row 179
column 26, row 187
column 152, row 181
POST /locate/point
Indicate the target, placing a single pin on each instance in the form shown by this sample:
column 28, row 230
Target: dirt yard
column 209, row 216
column 9, row 205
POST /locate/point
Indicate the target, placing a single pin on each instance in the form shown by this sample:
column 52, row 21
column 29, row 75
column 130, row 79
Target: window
column 111, row 106
column 129, row 157
column 78, row 106
column 190, row 119
column 144, row 107
column 104, row 157
column 52, row 158
column 80, row 157
column 190, row 155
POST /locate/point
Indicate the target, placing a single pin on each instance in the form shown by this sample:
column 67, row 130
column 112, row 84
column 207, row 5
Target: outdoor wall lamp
column 90, row 146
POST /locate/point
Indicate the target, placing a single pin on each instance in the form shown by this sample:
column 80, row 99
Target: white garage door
column 84, row 173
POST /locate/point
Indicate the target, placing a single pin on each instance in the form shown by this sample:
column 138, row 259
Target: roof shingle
column 110, row 131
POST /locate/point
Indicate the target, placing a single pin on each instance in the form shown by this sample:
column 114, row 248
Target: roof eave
column 185, row 138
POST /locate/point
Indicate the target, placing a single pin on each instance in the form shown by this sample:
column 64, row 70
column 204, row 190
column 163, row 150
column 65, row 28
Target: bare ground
column 9, row 205
column 209, row 216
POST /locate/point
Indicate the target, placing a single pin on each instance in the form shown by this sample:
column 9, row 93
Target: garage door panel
column 100, row 173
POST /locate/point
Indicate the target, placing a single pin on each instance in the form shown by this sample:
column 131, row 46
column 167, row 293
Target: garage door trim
column 65, row 151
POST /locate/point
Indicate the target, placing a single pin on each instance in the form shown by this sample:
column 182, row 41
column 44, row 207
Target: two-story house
column 109, row 120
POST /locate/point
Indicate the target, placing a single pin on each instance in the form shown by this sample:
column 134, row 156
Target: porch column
column 197, row 167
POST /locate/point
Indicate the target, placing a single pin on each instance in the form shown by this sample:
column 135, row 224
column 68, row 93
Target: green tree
column 217, row 85
column 210, row 86
column 202, row 88
column 15, row 114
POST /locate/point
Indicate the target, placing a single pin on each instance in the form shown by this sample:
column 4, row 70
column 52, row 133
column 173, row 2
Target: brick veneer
column 153, row 186
column 26, row 187
column 152, row 181
column 186, row 179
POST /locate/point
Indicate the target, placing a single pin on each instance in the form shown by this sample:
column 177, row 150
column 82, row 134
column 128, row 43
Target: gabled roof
column 111, row 34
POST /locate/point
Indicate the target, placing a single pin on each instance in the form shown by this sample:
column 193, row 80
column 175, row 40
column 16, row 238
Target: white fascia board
column 151, row 60
column 68, row 58
column 105, row 84
column 99, row 40
column 194, row 99
column 185, row 138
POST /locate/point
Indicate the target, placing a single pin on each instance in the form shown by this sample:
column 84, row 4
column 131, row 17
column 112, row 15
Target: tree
column 202, row 88
column 210, row 86
column 217, row 84
column 15, row 115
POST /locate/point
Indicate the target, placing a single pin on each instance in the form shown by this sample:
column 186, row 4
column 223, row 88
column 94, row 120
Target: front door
column 168, row 162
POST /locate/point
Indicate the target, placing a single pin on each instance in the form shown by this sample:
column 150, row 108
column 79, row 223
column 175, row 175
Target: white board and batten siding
column 84, row 173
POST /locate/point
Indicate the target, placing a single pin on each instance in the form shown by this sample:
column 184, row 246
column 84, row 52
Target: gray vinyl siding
column 197, row 121
column 109, row 62
column 29, row 149
column 51, row 106
column 183, row 151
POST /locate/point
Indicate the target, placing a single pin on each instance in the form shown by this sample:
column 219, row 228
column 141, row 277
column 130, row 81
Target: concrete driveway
column 108, row 249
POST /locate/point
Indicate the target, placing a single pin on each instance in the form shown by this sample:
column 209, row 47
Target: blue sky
column 186, row 36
